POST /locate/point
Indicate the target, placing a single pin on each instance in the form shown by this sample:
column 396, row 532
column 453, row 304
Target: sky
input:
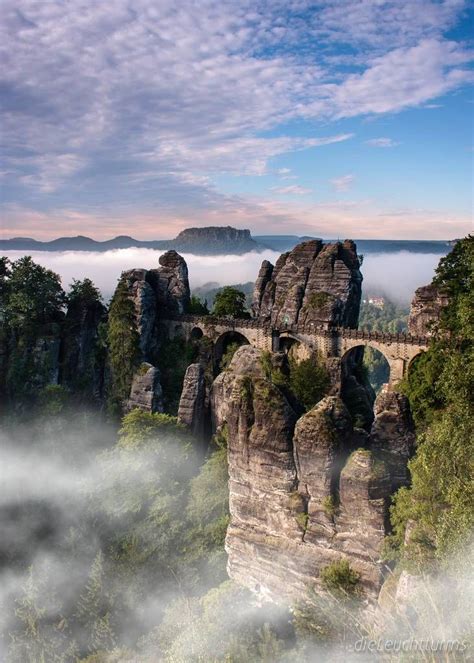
column 334, row 119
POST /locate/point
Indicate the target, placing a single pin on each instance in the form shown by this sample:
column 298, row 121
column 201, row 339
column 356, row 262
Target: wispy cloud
column 139, row 104
column 382, row 142
column 292, row 189
column 342, row 183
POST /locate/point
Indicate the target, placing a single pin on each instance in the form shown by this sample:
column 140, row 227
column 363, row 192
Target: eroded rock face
column 157, row 292
column 81, row 367
column 193, row 405
column 393, row 435
column 300, row 496
column 145, row 392
column 425, row 310
column 315, row 283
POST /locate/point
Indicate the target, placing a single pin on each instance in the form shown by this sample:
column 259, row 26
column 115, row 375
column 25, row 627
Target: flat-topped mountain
column 202, row 241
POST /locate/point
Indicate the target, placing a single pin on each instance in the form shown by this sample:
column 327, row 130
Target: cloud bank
column 395, row 274
column 131, row 108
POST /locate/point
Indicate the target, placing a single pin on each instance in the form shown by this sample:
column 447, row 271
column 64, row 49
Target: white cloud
column 191, row 90
column 382, row 142
column 292, row 189
column 342, row 183
column 399, row 79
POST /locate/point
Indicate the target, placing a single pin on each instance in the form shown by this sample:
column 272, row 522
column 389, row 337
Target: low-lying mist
column 396, row 275
column 96, row 556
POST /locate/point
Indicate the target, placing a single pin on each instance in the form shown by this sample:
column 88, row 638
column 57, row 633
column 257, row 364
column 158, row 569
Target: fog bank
column 395, row 274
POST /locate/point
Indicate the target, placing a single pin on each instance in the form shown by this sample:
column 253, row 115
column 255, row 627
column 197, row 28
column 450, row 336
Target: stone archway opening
column 364, row 370
column 196, row 333
column 294, row 348
column 225, row 347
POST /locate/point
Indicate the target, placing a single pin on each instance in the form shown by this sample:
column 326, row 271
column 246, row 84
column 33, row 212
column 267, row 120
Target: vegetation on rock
column 230, row 302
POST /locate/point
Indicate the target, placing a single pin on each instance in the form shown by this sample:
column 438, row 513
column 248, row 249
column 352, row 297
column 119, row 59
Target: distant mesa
column 202, row 241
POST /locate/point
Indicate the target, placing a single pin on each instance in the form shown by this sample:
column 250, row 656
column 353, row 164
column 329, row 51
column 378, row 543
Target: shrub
column 340, row 578
column 309, row 381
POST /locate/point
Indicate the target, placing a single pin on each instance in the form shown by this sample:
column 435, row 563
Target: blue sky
column 337, row 119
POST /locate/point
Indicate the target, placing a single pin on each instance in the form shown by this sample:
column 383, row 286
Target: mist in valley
column 76, row 507
column 395, row 275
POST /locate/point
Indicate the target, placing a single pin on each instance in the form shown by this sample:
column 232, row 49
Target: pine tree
column 123, row 342
column 95, row 608
column 36, row 638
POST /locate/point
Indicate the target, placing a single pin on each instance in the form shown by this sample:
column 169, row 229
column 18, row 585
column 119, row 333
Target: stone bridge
column 331, row 343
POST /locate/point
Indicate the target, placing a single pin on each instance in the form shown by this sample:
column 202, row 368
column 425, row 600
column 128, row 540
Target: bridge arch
column 294, row 346
column 196, row 333
column 359, row 386
column 224, row 345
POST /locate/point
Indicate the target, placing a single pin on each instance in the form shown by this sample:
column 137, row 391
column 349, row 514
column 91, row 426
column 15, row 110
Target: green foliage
column 35, row 297
column 309, row 381
column 209, row 493
column 377, row 368
column 230, row 302
column 123, row 345
column 330, row 506
column 83, row 292
column 31, row 314
column 139, row 428
column 95, row 608
column 439, row 503
column 339, row 578
column 174, row 357
column 228, row 355
column 392, row 318
column 197, row 307
column 221, row 626
column 36, row 638
column 52, row 400
column 318, row 299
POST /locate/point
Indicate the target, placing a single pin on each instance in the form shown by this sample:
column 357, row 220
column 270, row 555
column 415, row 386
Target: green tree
column 439, row 504
column 35, row 296
column 37, row 638
column 83, row 292
column 95, row 609
column 123, row 345
column 230, row 302
column 309, row 381
column 197, row 307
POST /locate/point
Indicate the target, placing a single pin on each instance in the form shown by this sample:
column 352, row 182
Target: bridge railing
column 309, row 329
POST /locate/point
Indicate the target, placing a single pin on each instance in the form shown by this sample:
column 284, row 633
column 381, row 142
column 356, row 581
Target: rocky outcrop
column 215, row 240
column 301, row 498
column 170, row 283
column 82, row 362
column 193, row 404
column 156, row 293
column 146, row 392
column 393, row 435
column 425, row 310
column 315, row 283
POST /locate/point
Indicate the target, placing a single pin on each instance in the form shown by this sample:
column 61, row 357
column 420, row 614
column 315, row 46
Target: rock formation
column 82, row 365
column 156, row 292
column 315, row 283
column 215, row 240
column 425, row 310
column 146, row 392
column 301, row 496
column 193, row 404
column 393, row 435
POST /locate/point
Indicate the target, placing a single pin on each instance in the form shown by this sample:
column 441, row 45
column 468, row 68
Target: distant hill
column 365, row 246
column 201, row 241
column 217, row 240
